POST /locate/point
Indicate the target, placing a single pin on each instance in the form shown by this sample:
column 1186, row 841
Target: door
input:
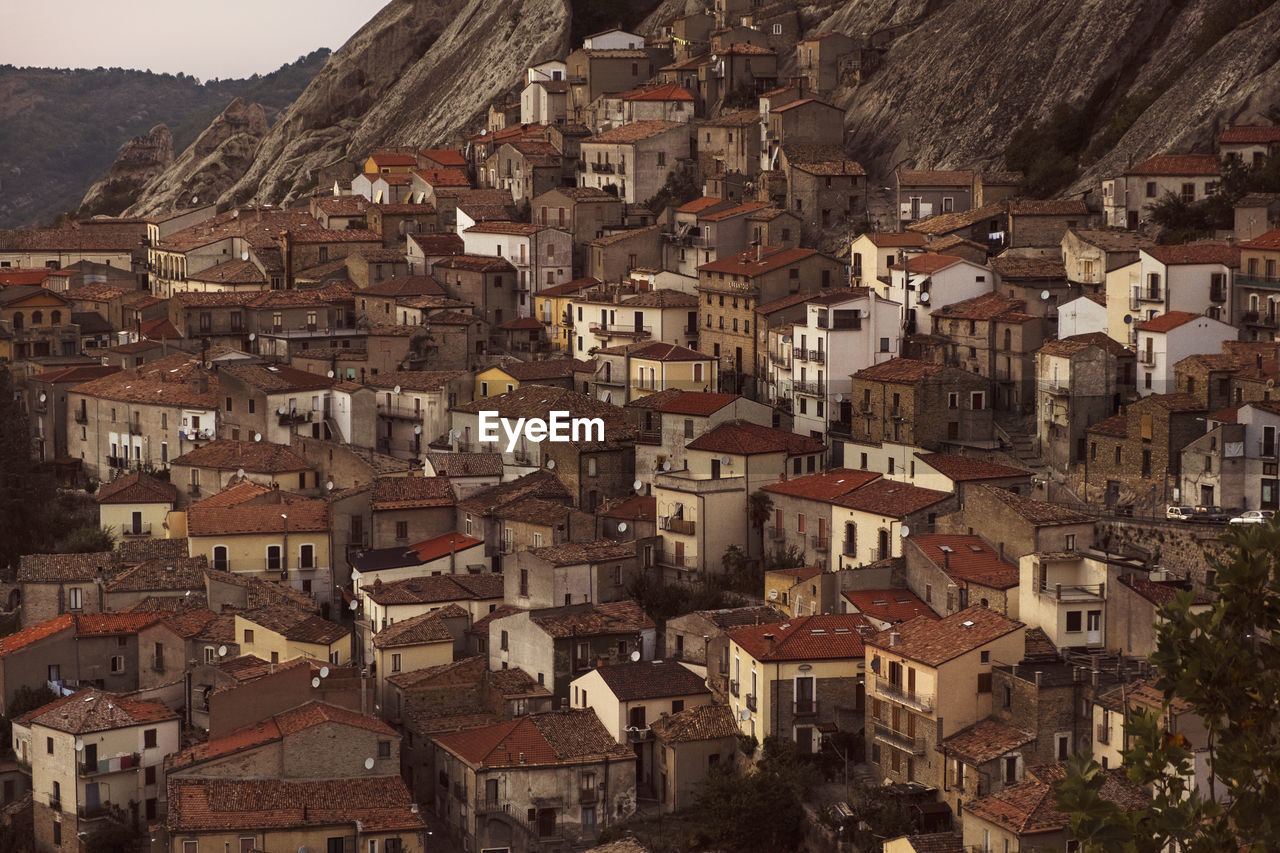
column 884, row 545
column 1093, row 626
column 92, row 799
column 91, row 756
column 639, row 321
column 136, row 522
column 220, row 562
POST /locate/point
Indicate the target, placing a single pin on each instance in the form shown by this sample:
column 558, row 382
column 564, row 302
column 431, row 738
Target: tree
column 25, row 488
column 761, row 810
column 759, row 509
column 87, row 539
column 1225, row 663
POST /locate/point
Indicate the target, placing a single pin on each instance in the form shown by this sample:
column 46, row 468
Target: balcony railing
column 143, row 529
column 677, row 561
column 602, row 168
column 678, row 525
column 492, row 807
column 638, row 735
column 809, row 387
column 820, row 543
column 817, row 355
column 400, row 410
column 296, row 417
column 779, row 359
column 600, row 328
column 1217, row 294
column 103, row 766
column 135, row 428
column 751, row 701
column 896, row 692
column 1257, row 280
column 733, row 687
column 1146, row 356
column 82, row 417
column 804, row 707
column 1075, row 592
column 899, row 740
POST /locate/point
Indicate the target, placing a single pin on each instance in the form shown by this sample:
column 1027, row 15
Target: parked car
column 1211, row 514
column 1253, row 516
column 1179, row 513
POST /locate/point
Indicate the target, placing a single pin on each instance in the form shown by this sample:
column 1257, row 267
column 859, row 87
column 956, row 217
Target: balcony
column 677, row 561
column 1075, row 592
column 800, row 354
column 899, row 694
column 678, row 525
column 899, row 740
column 751, row 701
column 639, row 735
column 483, row 807
column 294, row 417
column 194, row 490
column 809, row 387
column 1257, row 280
column 400, row 410
column 1261, row 320
column 82, row 417
column 598, row 328
column 804, row 707
column 817, row 355
column 1147, row 356
column 1104, row 734
column 104, row 766
column 1217, row 294
column 602, row 168
column 135, row 428
column 820, row 543
column 733, row 687
column 779, row 360
column 649, row 436
column 142, row 529
column 121, row 462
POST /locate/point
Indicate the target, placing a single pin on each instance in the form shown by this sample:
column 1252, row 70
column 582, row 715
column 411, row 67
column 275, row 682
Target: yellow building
column 390, row 162
column 213, row 815
column 135, row 505
column 869, row 523
column 267, row 533
column 277, row 634
column 415, row 643
column 798, row 678
column 553, row 308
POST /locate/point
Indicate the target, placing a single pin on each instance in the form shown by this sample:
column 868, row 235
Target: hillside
column 65, row 128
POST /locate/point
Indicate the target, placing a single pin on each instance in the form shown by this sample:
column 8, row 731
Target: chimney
column 1039, row 675
column 760, row 251
column 894, row 638
column 770, row 638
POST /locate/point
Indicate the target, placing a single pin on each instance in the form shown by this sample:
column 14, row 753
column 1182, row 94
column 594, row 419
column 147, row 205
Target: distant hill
column 64, row 128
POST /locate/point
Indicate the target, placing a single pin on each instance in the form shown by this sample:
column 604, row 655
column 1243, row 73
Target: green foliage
column 680, row 187
column 1182, row 221
column 112, row 838
column 24, row 699
column 877, row 814
column 761, row 810
column 1046, row 152
column 26, row 489
column 1224, row 661
column 667, row 601
column 790, row 557
column 87, row 539
column 759, row 509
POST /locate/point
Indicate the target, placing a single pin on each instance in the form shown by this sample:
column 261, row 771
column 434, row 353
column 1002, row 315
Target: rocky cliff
column 141, row 159
column 418, row 73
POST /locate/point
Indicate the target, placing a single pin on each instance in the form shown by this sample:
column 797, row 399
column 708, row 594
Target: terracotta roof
column 480, row 627
column 557, row 737
column 474, row 263
column 35, row 633
column 541, row 483
column 1029, row 268
column 935, row 842
column 434, row 245
column 171, row 381
column 823, row 487
column 1117, row 425
column 439, row 546
column 783, row 303
column 277, row 378
column 935, row 178
column 1250, row 134
column 1030, row 807
column 571, row 288
column 548, row 368
column 435, row 589
column 666, row 92
column 259, row 457
column 1048, row 207
column 633, row 132
column 578, row 553
column 986, row 307
column 945, row 223
column 410, row 285
column 426, row 628
column 411, row 493
column 1202, row 252
column 832, row 636
column 92, row 710
column 702, row 722
column 1160, row 593
column 1177, row 165
column 894, row 239
column 1141, row 694
column 636, row 507
column 736, row 118
column 659, row 351
column 968, row 559
column 55, row 568
column 745, row 263
column 928, row 263
column 1113, row 241
column 296, row 625
column 933, row 642
column 178, row 573
column 1067, row 347
column 888, row 605
column 1167, row 321
column 1037, row 512
column 76, row 374
column 615, row 617
column 539, row 400
column 1269, row 241
column 644, row 680
column 891, row 499
column 699, row 403
column 415, row 380
column 247, row 508
column 703, row 203
column 136, row 488
column 742, row 438
column 962, row 469
column 985, row 741
column 376, row 803
column 736, row 49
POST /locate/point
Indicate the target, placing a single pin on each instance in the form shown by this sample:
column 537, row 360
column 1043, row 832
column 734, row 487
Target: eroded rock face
column 140, row 160
column 418, row 73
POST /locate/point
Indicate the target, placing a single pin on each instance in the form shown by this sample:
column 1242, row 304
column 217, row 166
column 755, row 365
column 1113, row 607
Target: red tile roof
column 895, row 239
column 668, row 92
column 833, row 636
column 985, row 741
column 962, row 469
column 699, row 403
column 701, row 722
column 890, row 499
column 823, row 487
column 700, row 204
column 1269, row 241
column 634, row 131
column 888, row 605
column 259, row 457
column 1202, row 252
column 391, row 493
column 443, row 156
column 968, row 559
column 987, row 307
column 933, row 642
column 1250, row 134
column 437, row 547
column 436, row 589
column 136, row 488
column 423, row 629
column 92, row 710
column 35, row 633
column 113, row 624
column 1160, row 592
column 935, row 178
column 745, row 263
column 615, row 617
column 377, row 803
column 247, row 508
column 1177, row 165
column 1167, row 321
column 654, row 679
column 1034, row 511
column 1030, row 807
column 741, row 438
column 929, row 262
column 558, row 737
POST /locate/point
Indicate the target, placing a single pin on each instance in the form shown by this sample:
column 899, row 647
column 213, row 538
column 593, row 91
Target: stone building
column 925, row 405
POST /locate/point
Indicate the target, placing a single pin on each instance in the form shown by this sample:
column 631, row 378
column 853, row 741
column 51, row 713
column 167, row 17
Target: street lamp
column 284, row 550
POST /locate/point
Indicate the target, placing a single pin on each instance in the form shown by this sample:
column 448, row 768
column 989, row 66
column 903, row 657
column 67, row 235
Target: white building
column 922, row 282
column 1083, row 315
column 614, row 39
column 542, row 256
column 1167, row 339
column 1126, row 199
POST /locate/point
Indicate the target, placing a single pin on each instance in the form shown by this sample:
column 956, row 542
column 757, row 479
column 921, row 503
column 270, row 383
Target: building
column 1167, row 339
column 924, row 405
column 1189, row 177
column 800, row 679
column 995, row 337
column 873, row 252
column 1089, row 255
column 1256, row 283
column 135, row 505
column 651, row 367
column 921, row 283
column 922, row 193
column 950, row 572
column 690, row 744
column 1064, row 594
column 634, row 159
column 553, row 778
column 1080, row 380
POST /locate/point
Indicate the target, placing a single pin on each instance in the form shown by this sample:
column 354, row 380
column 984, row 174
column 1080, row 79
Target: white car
column 1253, row 516
column 1179, row 513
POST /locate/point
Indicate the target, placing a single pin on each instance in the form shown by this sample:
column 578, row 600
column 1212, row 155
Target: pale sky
column 214, row 38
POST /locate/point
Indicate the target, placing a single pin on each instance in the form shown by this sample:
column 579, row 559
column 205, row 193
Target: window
column 248, row 635
column 1063, row 746
column 48, row 745
column 117, row 663
column 505, row 641
column 402, row 530
column 384, row 747
column 194, row 846
column 985, row 657
column 75, row 598
column 395, row 663
column 149, row 775
column 149, row 738
column 1073, row 621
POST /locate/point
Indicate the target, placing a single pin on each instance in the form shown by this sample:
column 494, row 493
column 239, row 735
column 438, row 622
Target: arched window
column 220, row 562
column 55, row 317
column 19, row 321
column 37, row 317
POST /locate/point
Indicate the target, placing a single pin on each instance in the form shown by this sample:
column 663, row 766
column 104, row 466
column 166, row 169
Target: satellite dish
column 417, row 430
column 302, row 848
column 744, row 715
column 244, row 256
column 368, row 764
column 330, row 374
column 324, row 672
column 635, row 656
column 79, row 745
column 355, row 574
column 773, row 595
column 257, row 436
column 622, row 527
column 222, row 651
column 1044, row 294
column 315, row 682
column 240, row 473
column 280, row 411
column 43, row 397
column 551, row 463
column 666, row 465
column 396, row 389
column 455, row 433
column 924, row 298
column 904, row 531
column 195, row 199
column 329, row 485
column 637, row 485
column 253, row 336
column 724, row 460
column 235, row 214
column 863, row 312
column 355, row 605
column 1128, row 318
column 839, row 398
